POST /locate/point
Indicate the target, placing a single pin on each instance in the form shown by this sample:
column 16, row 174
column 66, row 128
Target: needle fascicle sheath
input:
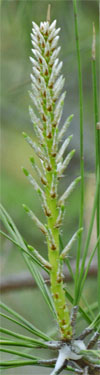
column 68, row 191
column 39, row 191
column 65, row 127
column 65, row 163
column 40, row 174
column 70, row 243
column 63, row 148
column 35, row 219
column 40, row 258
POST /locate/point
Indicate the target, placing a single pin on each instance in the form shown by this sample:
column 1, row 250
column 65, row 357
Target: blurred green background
column 16, row 24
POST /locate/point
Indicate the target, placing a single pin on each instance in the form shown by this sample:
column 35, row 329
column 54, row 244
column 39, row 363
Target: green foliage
column 53, row 163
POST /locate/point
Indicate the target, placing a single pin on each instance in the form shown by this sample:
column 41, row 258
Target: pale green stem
column 57, row 289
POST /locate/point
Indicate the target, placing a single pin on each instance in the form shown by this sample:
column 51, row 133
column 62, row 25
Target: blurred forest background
column 16, row 25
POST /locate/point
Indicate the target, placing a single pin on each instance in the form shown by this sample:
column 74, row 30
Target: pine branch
column 24, row 280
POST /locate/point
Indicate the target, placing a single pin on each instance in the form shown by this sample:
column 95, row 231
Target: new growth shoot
column 49, row 163
column 47, row 98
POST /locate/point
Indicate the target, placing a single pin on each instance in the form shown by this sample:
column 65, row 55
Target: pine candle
column 47, row 84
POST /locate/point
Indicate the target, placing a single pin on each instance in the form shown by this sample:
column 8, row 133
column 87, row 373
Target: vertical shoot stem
column 56, row 277
column 81, row 144
column 97, row 150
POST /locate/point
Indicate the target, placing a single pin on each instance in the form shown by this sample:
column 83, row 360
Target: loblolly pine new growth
column 47, row 106
column 47, row 84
